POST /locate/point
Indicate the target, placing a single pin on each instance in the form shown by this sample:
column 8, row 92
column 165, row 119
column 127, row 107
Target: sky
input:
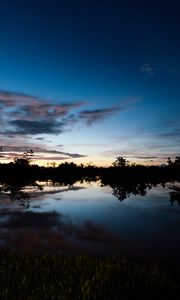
column 87, row 81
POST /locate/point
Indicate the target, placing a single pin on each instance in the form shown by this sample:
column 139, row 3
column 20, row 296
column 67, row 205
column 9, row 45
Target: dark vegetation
column 123, row 178
column 52, row 276
column 29, row 276
column 23, row 169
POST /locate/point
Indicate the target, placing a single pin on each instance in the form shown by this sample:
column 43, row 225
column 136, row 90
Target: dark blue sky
column 115, row 63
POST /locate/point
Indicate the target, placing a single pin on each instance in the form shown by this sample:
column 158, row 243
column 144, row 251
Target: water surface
column 87, row 217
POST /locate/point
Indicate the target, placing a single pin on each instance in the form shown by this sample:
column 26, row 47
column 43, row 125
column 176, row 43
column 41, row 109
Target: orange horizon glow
column 91, row 162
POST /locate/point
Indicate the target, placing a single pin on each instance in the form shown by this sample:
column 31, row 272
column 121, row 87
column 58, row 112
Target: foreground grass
column 26, row 276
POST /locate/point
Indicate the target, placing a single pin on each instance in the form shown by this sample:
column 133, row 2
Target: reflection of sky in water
column 88, row 216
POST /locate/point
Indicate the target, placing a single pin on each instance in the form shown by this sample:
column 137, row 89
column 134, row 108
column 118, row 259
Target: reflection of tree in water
column 16, row 192
column 175, row 195
column 125, row 190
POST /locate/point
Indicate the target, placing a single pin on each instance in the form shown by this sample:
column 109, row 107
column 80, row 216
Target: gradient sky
column 87, row 81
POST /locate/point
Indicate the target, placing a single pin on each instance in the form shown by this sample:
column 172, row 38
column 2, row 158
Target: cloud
column 29, row 115
column 8, row 152
column 34, row 231
column 91, row 116
column 40, row 138
column 23, row 114
column 172, row 133
column 146, row 157
column 35, row 106
column 93, row 232
column 96, row 115
column 25, row 118
column 167, row 130
column 29, row 219
column 40, row 231
column 36, row 127
column 148, row 69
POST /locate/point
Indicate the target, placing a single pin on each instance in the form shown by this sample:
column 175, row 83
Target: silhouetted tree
column 120, row 162
column 25, row 159
column 169, row 161
column 177, row 161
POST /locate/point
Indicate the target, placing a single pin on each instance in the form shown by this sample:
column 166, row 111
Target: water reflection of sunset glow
column 88, row 217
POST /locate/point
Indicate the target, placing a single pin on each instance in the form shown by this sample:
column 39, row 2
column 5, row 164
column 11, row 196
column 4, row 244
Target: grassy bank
column 26, row 276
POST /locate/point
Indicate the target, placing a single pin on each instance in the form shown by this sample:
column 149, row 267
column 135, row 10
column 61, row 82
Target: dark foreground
column 29, row 276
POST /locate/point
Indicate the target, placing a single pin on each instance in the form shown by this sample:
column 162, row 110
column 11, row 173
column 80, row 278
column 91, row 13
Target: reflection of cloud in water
column 30, row 231
column 24, row 195
column 94, row 232
column 93, row 221
column 52, row 191
column 32, row 220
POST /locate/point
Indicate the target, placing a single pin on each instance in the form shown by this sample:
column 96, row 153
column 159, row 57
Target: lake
column 141, row 222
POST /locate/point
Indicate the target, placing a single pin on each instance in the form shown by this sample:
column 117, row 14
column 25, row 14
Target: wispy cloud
column 168, row 129
column 148, row 69
column 169, row 134
column 146, row 157
column 29, row 115
column 26, row 118
column 96, row 115
column 23, row 115
column 39, row 153
column 40, row 138
column 91, row 116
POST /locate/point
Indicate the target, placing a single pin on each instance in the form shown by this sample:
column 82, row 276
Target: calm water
column 94, row 219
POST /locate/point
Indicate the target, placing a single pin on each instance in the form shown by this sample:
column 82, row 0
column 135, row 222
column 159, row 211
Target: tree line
column 22, row 167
